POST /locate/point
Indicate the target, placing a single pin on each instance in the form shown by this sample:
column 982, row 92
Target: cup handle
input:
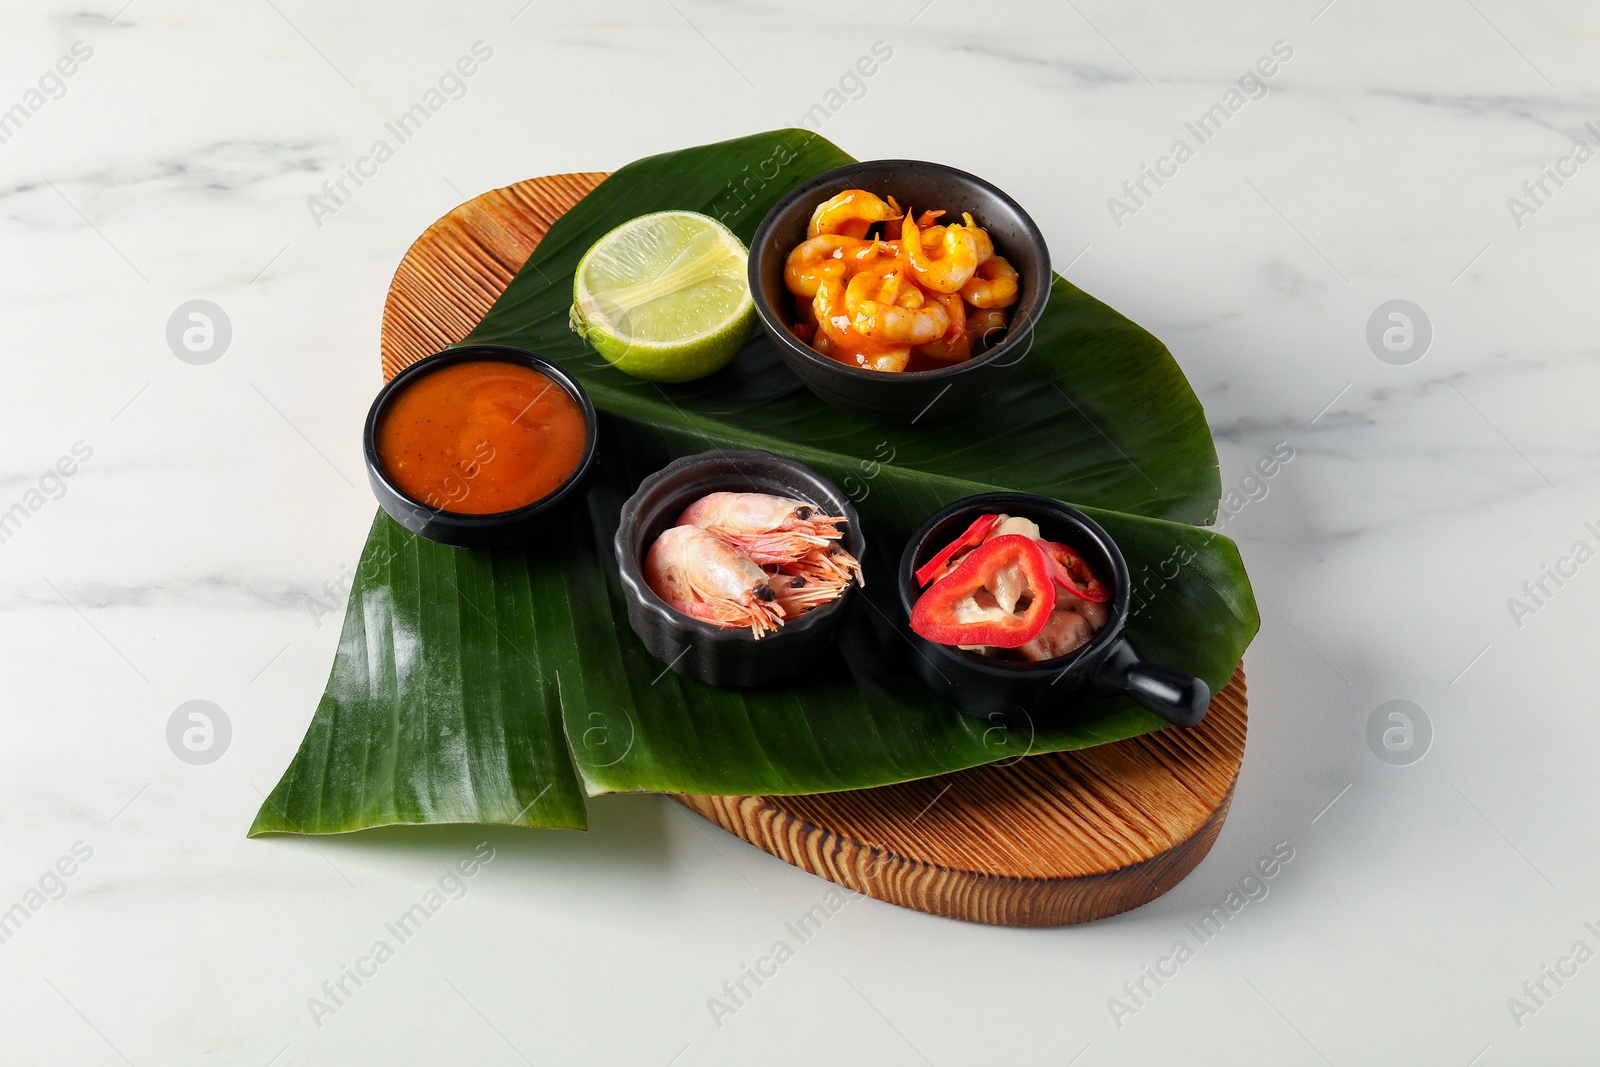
column 1179, row 698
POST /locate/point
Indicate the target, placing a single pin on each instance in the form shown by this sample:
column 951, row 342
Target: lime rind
column 664, row 296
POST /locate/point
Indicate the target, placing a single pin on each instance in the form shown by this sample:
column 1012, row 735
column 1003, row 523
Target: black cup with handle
column 1107, row 666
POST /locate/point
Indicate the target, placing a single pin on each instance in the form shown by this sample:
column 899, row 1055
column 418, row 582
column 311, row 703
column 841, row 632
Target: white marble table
column 212, row 507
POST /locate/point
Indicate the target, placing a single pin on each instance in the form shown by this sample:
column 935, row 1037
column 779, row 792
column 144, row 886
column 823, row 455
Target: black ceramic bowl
column 458, row 528
column 1106, row 666
column 909, row 396
column 698, row 649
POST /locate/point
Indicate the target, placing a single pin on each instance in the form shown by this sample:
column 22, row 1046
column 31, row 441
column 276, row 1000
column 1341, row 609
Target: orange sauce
column 920, row 362
column 481, row 437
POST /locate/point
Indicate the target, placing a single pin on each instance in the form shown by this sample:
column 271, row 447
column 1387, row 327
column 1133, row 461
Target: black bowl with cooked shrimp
column 737, row 566
column 1099, row 660
column 882, row 355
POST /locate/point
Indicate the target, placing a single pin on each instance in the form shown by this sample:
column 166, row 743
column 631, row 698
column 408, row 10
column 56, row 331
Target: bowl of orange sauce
column 479, row 446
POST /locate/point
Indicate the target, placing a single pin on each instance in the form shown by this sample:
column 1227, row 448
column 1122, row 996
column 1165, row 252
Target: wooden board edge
column 970, row 896
column 520, row 214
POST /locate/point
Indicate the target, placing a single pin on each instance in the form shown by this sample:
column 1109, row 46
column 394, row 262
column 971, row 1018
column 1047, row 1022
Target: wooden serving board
column 1046, row 840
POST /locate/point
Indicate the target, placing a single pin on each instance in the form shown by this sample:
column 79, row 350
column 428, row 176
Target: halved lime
column 664, row 296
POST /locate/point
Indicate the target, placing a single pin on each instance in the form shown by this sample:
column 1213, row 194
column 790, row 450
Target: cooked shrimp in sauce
column 890, row 289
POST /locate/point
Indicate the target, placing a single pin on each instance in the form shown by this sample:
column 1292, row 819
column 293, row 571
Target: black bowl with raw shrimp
column 1107, row 665
column 727, row 655
column 925, row 391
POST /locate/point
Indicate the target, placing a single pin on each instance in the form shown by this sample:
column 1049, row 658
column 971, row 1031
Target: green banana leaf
column 503, row 686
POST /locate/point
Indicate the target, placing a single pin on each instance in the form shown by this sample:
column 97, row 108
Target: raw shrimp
column 705, row 578
column 771, row 530
column 828, row 563
column 946, row 267
column 826, row 567
column 843, row 342
column 790, row 535
column 799, row 594
column 992, row 285
column 819, row 256
column 852, row 213
column 818, row 577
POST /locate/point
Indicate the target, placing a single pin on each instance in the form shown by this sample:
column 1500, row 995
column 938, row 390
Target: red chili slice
column 936, row 615
column 936, row 568
column 1072, row 573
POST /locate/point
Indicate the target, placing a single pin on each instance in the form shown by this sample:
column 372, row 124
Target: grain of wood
column 1058, row 838
column 455, row 270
